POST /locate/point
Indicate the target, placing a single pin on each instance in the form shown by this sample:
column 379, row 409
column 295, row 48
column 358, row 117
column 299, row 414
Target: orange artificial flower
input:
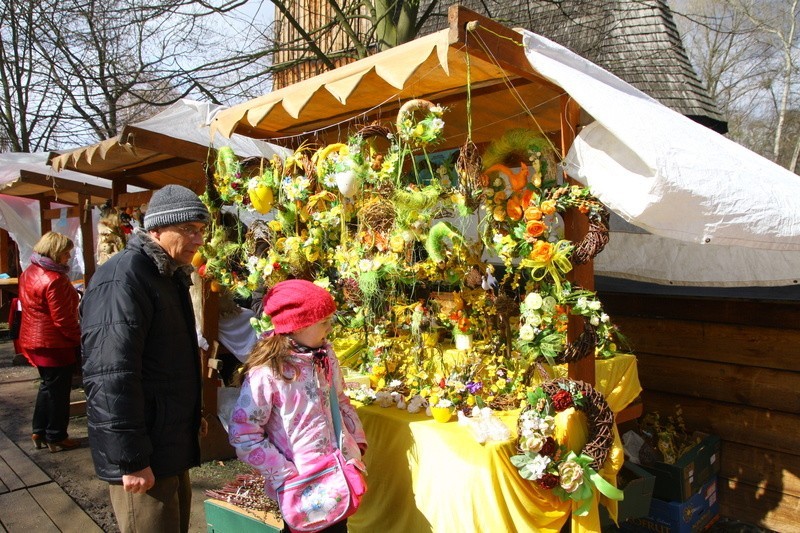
column 514, row 208
column 527, row 197
column 548, row 207
column 533, row 213
column 534, row 228
column 542, row 251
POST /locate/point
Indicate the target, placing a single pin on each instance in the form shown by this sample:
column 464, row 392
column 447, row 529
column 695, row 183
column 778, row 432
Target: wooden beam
column 577, row 226
column 183, row 150
column 44, row 222
column 43, row 180
column 492, row 42
column 5, row 242
column 132, row 175
column 55, row 214
column 133, row 199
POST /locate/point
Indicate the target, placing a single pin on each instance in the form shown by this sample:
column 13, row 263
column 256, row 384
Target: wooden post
column 45, row 223
column 5, row 243
column 87, row 235
column 577, row 226
column 215, row 444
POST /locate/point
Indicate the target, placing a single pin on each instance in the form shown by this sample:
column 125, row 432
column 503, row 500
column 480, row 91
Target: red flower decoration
column 548, row 481
column 562, row 400
column 549, row 447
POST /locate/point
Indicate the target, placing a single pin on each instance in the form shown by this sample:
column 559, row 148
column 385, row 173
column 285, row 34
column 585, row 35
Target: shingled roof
column 635, row 39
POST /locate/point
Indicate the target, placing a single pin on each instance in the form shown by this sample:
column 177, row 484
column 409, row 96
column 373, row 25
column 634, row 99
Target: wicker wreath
column 580, row 347
column 596, row 237
column 541, row 458
column 408, row 109
column 407, row 122
column 574, row 351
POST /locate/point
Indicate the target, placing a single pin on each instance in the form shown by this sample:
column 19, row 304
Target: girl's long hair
column 273, row 351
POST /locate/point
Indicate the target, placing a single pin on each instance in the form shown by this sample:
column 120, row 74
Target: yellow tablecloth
column 429, row 476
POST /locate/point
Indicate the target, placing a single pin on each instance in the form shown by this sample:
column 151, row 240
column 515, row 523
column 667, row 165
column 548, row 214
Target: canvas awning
column 700, row 209
column 28, row 175
column 171, row 147
column 438, row 67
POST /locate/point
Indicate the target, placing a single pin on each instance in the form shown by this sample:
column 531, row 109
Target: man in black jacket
column 141, row 367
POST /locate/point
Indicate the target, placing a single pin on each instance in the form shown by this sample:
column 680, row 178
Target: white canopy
column 190, row 120
column 20, row 216
column 170, row 147
column 713, row 212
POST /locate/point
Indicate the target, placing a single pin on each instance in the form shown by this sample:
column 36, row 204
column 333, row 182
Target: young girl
column 282, row 420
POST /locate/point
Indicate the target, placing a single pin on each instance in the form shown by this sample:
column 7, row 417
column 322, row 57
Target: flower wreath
column 524, row 222
column 569, row 475
column 543, row 315
column 423, row 132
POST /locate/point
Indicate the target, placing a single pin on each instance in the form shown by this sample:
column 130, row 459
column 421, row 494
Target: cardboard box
column 679, row 481
column 224, row 517
column 696, row 514
column 354, row 380
column 638, row 492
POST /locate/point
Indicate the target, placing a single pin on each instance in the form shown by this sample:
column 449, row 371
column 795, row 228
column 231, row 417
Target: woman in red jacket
column 50, row 336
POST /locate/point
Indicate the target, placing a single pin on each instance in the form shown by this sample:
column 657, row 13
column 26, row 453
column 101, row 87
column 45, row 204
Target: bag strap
column 336, row 415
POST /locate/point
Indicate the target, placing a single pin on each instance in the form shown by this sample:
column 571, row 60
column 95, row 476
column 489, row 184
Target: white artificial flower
column 538, row 466
column 526, row 333
column 534, row 300
column 534, row 319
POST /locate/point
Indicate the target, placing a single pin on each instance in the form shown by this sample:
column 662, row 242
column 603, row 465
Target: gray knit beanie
column 174, row 204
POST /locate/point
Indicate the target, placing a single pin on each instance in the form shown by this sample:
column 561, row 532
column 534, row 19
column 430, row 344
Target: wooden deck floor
column 32, row 502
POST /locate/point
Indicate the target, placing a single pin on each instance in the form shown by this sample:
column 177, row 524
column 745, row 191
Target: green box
column 637, row 494
column 678, row 482
column 224, row 517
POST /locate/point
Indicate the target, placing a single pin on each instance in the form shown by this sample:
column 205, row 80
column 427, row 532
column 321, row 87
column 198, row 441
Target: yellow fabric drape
column 429, row 476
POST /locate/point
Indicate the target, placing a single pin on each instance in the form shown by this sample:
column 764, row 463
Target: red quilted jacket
column 50, row 334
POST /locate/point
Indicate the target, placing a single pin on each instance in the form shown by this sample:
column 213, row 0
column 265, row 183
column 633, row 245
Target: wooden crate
column 224, row 517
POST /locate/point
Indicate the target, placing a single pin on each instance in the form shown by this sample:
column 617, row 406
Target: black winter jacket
column 141, row 365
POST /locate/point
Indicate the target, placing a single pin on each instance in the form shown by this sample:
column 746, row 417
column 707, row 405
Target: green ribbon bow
column 583, row 495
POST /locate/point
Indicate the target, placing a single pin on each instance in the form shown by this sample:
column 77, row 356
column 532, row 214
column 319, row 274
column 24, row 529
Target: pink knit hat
column 296, row 303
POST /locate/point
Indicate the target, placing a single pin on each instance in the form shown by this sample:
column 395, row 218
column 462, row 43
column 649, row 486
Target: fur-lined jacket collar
column 166, row 265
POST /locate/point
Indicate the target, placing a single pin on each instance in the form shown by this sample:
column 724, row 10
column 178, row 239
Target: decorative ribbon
column 583, row 496
column 557, row 265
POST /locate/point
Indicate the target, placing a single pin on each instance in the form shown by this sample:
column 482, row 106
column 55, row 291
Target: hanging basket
column 417, row 125
column 469, row 169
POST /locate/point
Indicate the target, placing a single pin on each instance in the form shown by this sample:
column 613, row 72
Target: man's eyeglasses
column 191, row 231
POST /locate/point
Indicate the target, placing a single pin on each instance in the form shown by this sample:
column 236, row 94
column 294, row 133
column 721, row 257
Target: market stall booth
column 34, row 200
column 426, row 192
